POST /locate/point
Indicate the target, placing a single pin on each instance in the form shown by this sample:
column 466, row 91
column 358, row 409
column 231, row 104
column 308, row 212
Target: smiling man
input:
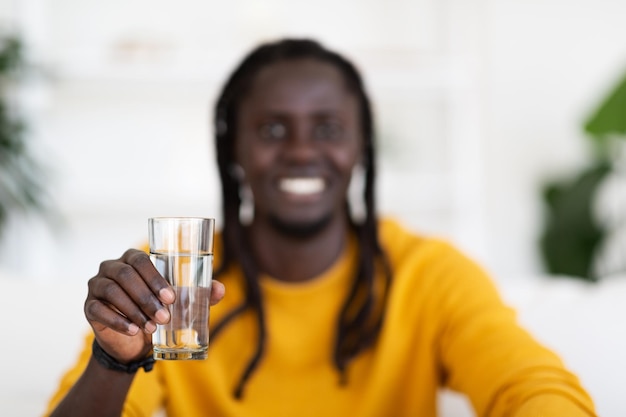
column 326, row 315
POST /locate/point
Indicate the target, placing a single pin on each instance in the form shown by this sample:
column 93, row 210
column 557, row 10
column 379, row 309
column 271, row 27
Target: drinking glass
column 181, row 249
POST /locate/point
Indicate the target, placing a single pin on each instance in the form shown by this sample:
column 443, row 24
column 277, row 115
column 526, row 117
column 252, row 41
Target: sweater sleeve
column 551, row 405
column 488, row 356
column 144, row 398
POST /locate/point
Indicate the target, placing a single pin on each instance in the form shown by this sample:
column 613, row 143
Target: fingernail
column 162, row 315
column 133, row 328
column 150, row 327
column 167, row 295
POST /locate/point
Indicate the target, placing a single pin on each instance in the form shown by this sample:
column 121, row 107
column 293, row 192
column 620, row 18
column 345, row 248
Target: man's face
column 298, row 138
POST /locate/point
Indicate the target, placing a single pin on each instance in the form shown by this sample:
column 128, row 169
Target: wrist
column 109, row 362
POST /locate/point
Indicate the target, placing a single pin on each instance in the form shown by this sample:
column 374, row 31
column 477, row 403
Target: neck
column 294, row 259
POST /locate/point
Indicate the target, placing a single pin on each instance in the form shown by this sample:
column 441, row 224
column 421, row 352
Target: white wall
column 550, row 63
column 479, row 101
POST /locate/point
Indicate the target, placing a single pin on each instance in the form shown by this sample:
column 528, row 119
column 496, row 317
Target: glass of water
column 181, row 249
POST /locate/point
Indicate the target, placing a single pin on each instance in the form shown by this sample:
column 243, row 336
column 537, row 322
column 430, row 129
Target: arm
column 126, row 299
column 98, row 392
column 488, row 356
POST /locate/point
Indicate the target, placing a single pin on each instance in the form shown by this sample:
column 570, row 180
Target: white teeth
column 302, row 186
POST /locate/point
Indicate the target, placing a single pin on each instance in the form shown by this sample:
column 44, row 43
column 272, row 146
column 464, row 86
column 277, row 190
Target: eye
column 328, row 131
column 273, row 131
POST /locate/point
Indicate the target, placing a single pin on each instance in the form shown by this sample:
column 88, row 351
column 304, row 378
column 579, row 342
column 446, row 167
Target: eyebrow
column 318, row 114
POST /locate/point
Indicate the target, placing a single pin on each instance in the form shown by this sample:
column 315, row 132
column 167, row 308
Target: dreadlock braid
column 361, row 316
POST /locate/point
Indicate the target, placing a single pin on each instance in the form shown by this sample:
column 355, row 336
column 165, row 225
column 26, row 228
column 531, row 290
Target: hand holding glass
column 181, row 249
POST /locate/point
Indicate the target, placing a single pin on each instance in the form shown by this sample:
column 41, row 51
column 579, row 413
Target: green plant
column 572, row 235
column 21, row 177
column 609, row 119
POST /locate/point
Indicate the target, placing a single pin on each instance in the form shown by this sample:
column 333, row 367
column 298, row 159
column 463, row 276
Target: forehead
column 298, row 83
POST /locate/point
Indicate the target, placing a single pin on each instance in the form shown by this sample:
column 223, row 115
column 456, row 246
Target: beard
column 299, row 229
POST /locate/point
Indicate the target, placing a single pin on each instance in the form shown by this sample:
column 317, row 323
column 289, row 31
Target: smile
column 302, row 186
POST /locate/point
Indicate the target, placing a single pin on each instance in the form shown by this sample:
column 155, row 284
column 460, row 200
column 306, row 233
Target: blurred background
column 501, row 126
column 480, row 104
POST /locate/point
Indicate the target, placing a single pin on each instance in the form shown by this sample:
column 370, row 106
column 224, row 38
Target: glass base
column 177, row 355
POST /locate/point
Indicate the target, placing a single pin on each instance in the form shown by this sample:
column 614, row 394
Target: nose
column 300, row 145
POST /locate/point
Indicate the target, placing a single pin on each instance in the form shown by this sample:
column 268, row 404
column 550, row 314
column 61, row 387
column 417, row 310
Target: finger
column 141, row 262
column 134, row 287
column 110, row 293
column 217, row 292
column 98, row 312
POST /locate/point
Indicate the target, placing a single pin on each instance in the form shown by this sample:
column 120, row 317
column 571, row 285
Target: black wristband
column 110, row 362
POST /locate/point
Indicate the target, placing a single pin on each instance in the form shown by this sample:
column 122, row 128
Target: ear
column 221, row 127
column 237, row 172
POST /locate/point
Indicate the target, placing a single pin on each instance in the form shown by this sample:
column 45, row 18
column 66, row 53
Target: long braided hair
column 361, row 317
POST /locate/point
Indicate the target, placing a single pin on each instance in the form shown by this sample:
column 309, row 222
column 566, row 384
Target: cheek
column 347, row 158
column 253, row 160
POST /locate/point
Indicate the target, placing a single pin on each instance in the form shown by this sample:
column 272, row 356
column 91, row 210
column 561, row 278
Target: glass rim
column 181, row 218
column 207, row 221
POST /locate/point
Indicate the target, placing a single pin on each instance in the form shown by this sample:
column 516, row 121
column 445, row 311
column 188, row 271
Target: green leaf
column 10, row 55
column 571, row 234
column 609, row 119
column 22, row 178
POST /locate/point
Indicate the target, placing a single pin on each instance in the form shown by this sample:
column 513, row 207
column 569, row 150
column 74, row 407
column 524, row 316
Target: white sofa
column 583, row 322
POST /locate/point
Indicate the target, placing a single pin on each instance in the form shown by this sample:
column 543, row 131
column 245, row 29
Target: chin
column 301, row 229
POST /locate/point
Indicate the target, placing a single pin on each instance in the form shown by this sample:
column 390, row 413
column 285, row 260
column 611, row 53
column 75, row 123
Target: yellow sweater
column 445, row 325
